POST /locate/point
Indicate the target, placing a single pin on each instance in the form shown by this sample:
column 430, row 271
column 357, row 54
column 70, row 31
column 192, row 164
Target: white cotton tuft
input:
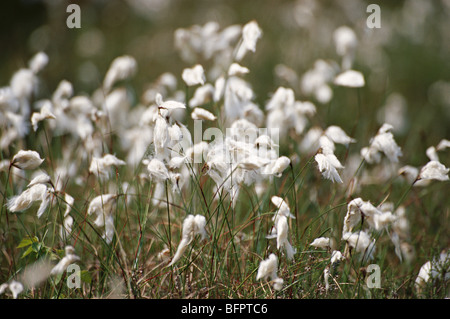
column 68, row 259
column 321, row 242
column 43, row 114
column 194, row 76
column 157, row 170
column 328, row 165
column 282, row 207
column 350, row 78
column 361, row 242
column 41, row 178
column 382, row 142
column 434, row 170
column 268, row 269
column 121, row 68
column 23, row 83
column 100, row 165
column 443, row 144
column 38, row 62
column 237, row 70
column 338, row 135
column 26, row 160
column 14, row 286
column 336, row 256
column 250, row 35
column 168, row 105
column 192, row 226
column 202, row 114
column 202, row 95
column 280, row 165
column 37, row 192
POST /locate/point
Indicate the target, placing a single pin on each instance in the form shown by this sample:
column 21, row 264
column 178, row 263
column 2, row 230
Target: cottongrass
column 166, row 175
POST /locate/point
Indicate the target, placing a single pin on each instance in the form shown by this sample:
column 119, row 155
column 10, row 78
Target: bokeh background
column 408, row 55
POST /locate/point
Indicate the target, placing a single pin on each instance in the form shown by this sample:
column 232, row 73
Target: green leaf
column 27, row 252
column 27, row 241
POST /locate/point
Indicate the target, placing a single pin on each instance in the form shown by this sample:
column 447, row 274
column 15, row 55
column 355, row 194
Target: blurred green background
column 408, row 55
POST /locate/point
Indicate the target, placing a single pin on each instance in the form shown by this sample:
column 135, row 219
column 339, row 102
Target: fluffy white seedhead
column 350, row 78
column 68, row 259
column 44, row 114
column 27, row 160
column 100, row 165
column 23, row 201
column 345, row 40
column 326, row 274
column 102, row 206
column 160, row 134
column 194, row 76
column 202, row 114
column 328, row 165
column 375, row 217
column 283, row 97
column 282, row 229
column 219, row 88
column 202, row 95
column 265, row 141
column 282, row 206
column 23, row 83
column 268, row 268
column 121, row 68
column 237, row 70
column 432, row 154
column 168, row 105
column 280, row 165
column 157, row 170
column 321, row 242
column 192, row 226
column 409, row 172
column 443, row 144
column 434, row 170
column 41, row 178
column 436, row 268
column 338, row 135
column 14, row 286
column 66, row 228
column 62, row 93
column 36, row 273
column 361, row 242
column 336, row 256
column 250, row 35
column 38, row 62
column 371, row 155
column 382, row 142
column 253, row 162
